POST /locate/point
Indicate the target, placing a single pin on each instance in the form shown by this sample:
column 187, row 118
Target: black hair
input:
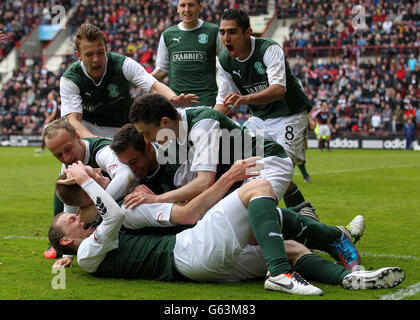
column 151, row 108
column 128, row 136
column 240, row 16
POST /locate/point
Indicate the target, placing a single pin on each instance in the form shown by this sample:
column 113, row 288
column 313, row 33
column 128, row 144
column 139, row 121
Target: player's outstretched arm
column 197, row 207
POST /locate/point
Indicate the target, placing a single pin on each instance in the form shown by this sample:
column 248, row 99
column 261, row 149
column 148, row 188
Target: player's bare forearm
column 162, row 89
column 187, row 192
column 159, row 74
column 221, row 108
column 181, row 100
column 197, row 207
column 272, row 93
column 75, row 120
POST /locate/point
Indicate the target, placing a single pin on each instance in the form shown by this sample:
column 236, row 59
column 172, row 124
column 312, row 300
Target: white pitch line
column 394, row 256
column 22, row 237
column 402, row 293
column 364, row 169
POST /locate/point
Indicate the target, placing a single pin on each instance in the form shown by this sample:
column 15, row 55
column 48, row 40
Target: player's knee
column 262, row 187
column 255, row 188
column 295, row 250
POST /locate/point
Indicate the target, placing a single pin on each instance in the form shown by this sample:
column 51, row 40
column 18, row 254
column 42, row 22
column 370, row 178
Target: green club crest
column 259, row 67
column 113, row 90
column 203, row 38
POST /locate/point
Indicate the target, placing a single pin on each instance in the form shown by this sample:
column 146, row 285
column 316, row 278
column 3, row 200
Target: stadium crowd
column 363, row 97
column 19, row 17
column 319, row 23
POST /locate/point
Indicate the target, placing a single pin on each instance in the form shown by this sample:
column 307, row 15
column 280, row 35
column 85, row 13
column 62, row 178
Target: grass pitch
column 382, row 185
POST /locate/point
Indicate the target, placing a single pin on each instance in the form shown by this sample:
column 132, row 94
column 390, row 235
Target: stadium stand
column 356, row 72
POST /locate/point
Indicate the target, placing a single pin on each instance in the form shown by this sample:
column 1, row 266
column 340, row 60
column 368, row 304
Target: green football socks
column 313, row 234
column 264, row 220
column 293, row 197
column 315, row 268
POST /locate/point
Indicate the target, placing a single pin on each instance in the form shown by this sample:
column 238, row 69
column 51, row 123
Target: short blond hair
column 50, row 131
column 88, row 32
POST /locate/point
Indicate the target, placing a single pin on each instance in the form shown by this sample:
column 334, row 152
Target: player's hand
column 184, row 100
column 78, row 172
column 139, row 196
column 247, row 168
column 63, row 263
column 235, row 99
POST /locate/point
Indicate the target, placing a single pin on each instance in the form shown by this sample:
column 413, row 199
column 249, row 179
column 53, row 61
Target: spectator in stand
column 342, row 124
column 386, row 116
column 3, row 37
column 409, row 110
column 51, row 113
column 409, row 132
column 412, row 62
column 418, row 119
column 8, row 124
column 375, row 123
column 397, row 119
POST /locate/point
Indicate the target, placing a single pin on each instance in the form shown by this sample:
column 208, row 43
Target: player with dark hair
column 255, row 72
column 190, row 48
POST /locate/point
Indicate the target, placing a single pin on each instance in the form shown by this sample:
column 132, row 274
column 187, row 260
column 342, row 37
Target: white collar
column 199, row 24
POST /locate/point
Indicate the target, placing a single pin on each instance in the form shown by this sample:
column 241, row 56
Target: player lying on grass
column 216, row 248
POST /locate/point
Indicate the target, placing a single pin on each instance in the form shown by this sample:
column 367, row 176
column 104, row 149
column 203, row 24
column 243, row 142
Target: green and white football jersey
column 250, row 76
column 192, row 61
column 108, row 103
column 214, row 142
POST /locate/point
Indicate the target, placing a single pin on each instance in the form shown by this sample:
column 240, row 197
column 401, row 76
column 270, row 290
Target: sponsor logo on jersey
column 177, row 39
column 256, row 87
column 203, row 38
column 197, row 56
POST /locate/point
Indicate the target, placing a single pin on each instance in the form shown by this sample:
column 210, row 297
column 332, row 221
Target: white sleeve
column 162, row 58
column 148, row 215
column 93, row 249
column 205, row 136
column 225, row 83
column 276, row 65
column 71, row 101
column 122, row 178
column 136, row 74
